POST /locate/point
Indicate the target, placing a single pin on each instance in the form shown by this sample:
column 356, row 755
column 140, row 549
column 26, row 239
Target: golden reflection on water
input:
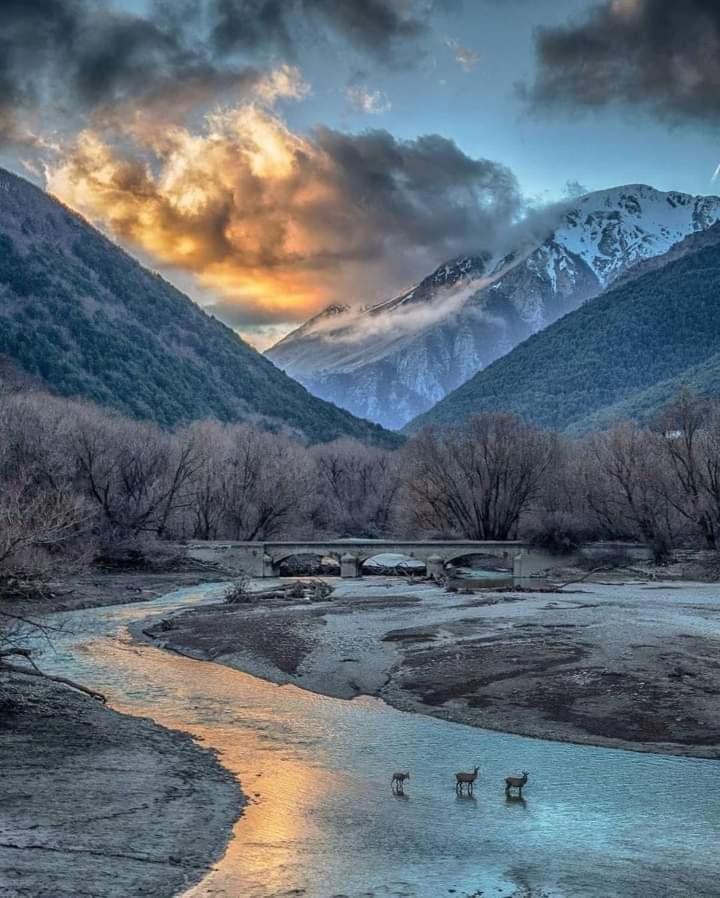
column 268, row 837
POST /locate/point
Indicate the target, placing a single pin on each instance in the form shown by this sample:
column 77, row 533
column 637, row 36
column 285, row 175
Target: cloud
column 378, row 27
column 357, row 326
column 658, row 54
column 467, row 59
column 371, row 102
column 285, row 82
column 66, row 63
column 71, row 58
column 279, row 223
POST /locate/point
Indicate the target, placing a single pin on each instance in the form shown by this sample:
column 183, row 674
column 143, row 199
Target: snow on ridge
column 390, row 361
column 613, row 229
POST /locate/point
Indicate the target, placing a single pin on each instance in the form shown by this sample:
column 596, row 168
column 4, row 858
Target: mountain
column 392, row 361
column 623, row 355
column 81, row 316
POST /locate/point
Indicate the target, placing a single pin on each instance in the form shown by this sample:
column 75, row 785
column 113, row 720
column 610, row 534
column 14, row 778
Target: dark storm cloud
column 660, row 54
column 424, row 192
column 81, row 56
column 375, row 26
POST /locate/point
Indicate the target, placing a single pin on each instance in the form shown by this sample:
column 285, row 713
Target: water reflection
column 322, row 821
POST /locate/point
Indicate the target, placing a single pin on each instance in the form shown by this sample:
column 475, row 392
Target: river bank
column 100, row 803
column 621, row 664
column 98, row 587
column 96, row 802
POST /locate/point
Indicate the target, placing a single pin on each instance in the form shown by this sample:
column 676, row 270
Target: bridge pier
column 349, row 566
column 532, row 563
column 435, row 567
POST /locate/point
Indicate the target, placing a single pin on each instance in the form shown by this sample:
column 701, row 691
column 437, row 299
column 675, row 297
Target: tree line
column 78, row 483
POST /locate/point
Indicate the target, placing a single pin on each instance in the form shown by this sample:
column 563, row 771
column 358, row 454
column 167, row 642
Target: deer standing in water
column 515, row 782
column 466, row 779
column 398, row 780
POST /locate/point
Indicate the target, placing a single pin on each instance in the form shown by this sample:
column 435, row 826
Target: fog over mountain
column 394, row 360
column 625, row 355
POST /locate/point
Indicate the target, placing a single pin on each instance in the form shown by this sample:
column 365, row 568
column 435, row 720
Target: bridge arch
column 260, row 559
column 499, row 558
column 399, row 563
column 276, row 560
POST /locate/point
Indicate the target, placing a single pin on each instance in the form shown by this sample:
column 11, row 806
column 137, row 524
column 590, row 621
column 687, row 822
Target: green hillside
column 623, row 354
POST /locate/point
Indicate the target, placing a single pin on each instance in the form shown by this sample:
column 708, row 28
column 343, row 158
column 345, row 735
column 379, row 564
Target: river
column 322, row 821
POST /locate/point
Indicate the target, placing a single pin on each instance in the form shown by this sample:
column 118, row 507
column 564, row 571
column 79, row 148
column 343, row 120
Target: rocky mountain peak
column 393, row 360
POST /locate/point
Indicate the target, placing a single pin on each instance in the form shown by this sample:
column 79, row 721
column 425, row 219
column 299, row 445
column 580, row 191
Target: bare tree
column 137, row 475
column 250, row 484
column 624, row 482
column 44, row 523
column 33, row 520
column 477, row 482
column 690, row 437
column 208, row 482
column 357, row 488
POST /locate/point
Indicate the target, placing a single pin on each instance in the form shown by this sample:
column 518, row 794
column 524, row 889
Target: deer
column 515, row 782
column 398, row 780
column 462, row 779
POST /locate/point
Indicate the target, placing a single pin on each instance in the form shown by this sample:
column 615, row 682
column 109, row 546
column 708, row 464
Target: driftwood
column 558, row 587
column 34, row 671
column 10, row 649
column 314, row 590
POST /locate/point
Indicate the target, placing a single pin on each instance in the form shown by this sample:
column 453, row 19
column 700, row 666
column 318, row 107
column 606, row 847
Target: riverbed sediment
column 95, row 802
column 622, row 664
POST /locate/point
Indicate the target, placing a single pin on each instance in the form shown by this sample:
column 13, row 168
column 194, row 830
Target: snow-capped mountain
column 394, row 360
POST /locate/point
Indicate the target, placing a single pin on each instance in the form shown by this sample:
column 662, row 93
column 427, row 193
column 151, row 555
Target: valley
column 393, row 361
column 359, row 449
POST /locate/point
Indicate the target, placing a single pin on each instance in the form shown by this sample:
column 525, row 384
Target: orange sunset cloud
column 274, row 223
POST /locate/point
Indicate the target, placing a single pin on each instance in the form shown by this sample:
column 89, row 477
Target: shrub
column 238, row 593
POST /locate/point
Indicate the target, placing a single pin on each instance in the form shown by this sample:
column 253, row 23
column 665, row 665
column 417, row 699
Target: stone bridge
column 263, row 559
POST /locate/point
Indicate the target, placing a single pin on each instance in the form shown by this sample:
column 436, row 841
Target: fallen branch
column 24, row 653
column 595, row 570
column 32, row 623
column 603, row 569
column 35, row 672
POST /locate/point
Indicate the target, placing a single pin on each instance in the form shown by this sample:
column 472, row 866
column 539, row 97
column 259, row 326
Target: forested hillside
column 88, row 320
column 624, row 354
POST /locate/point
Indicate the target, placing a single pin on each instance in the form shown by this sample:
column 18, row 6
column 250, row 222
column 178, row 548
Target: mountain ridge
column 623, row 355
column 81, row 315
column 476, row 308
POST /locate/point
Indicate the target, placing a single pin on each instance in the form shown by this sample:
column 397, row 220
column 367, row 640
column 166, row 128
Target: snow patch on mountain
column 391, row 361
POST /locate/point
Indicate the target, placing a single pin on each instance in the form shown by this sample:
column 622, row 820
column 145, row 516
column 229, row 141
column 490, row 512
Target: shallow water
column 322, row 820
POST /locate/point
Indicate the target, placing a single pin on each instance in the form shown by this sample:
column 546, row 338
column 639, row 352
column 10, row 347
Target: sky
column 271, row 157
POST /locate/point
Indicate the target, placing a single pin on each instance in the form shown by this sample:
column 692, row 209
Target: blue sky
column 481, row 111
